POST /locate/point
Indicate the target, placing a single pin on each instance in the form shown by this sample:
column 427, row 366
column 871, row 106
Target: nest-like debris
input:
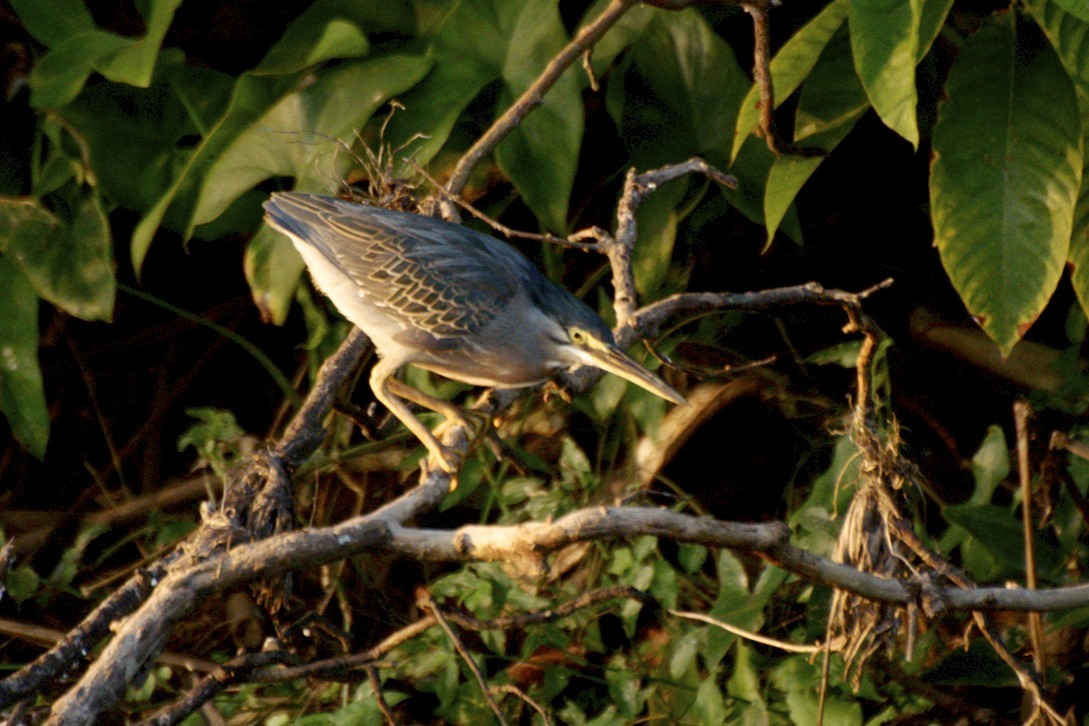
column 872, row 540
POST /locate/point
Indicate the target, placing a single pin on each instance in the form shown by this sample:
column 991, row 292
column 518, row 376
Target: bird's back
column 421, row 273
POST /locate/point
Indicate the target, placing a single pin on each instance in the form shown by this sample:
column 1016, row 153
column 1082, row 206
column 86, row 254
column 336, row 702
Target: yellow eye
column 578, row 336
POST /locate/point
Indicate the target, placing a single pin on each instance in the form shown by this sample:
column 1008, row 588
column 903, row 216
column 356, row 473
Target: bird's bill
column 620, row 363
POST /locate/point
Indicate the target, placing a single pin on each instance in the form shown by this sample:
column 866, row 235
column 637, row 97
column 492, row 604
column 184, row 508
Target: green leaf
column 59, row 76
column 272, row 268
column 749, row 707
column 251, row 97
column 656, row 220
column 1000, row 534
column 990, row 467
column 22, row 394
column 831, row 102
column 696, row 86
column 683, row 652
column 61, row 73
column 51, row 23
column 710, row 706
column 286, row 140
column 791, row 65
column 1069, row 35
column 1005, row 178
column 136, row 138
column 885, row 44
column 72, row 266
column 134, row 64
column 1077, row 8
column 22, row 583
column 327, row 29
column 540, row 156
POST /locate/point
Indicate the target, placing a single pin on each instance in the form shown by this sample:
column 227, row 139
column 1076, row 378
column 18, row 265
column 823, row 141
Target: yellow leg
column 382, row 382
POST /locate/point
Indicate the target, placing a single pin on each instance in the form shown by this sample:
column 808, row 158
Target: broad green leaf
column 697, row 85
column 791, row 65
column 135, row 138
column 540, row 156
column 1077, row 8
column 325, row 30
column 467, row 51
column 885, row 45
column 22, row 393
column 1000, row 532
column 1068, row 34
column 831, row 102
column 135, row 63
column 72, row 266
column 1078, row 257
column 272, row 268
column 59, row 76
column 931, row 21
column 710, row 706
column 800, row 680
column 297, row 138
column 1005, row 178
column 990, row 467
column 251, row 97
column 676, row 95
column 745, row 687
column 657, row 229
column 51, row 23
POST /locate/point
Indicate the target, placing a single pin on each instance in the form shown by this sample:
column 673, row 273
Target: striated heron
column 447, row 299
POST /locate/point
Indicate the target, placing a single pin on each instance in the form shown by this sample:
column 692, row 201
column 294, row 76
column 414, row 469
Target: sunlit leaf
column 831, row 102
column 53, row 22
column 1077, row 8
column 885, row 44
column 540, row 156
column 22, row 393
column 1069, row 35
column 72, row 266
column 325, row 30
column 1005, row 178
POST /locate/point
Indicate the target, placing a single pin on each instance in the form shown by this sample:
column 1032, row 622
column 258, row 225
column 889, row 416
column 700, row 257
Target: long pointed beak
column 617, row 361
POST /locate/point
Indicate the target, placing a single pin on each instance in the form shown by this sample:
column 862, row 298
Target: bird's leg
column 382, row 382
column 469, row 419
column 477, row 422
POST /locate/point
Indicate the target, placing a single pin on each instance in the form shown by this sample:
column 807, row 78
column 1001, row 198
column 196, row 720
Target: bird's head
column 594, row 346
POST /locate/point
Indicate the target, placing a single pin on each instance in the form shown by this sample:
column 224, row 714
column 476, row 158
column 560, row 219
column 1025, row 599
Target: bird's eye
column 578, row 336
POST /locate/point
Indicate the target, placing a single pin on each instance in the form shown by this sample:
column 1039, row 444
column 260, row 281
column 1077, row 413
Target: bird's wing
column 425, row 274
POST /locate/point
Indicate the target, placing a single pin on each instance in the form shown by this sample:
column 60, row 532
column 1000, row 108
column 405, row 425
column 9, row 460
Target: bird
column 448, row 299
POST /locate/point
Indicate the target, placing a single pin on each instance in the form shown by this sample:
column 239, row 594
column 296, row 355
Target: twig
column 376, row 686
column 649, row 320
column 748, row 634
column 572, row 241
column 534, row 95
column 761, row 71
column 636, row 189
column 1021, row 412
column 425, row 602
column 226, row 675
column 78, row 643
column 516, row 691
column 1059, row 440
